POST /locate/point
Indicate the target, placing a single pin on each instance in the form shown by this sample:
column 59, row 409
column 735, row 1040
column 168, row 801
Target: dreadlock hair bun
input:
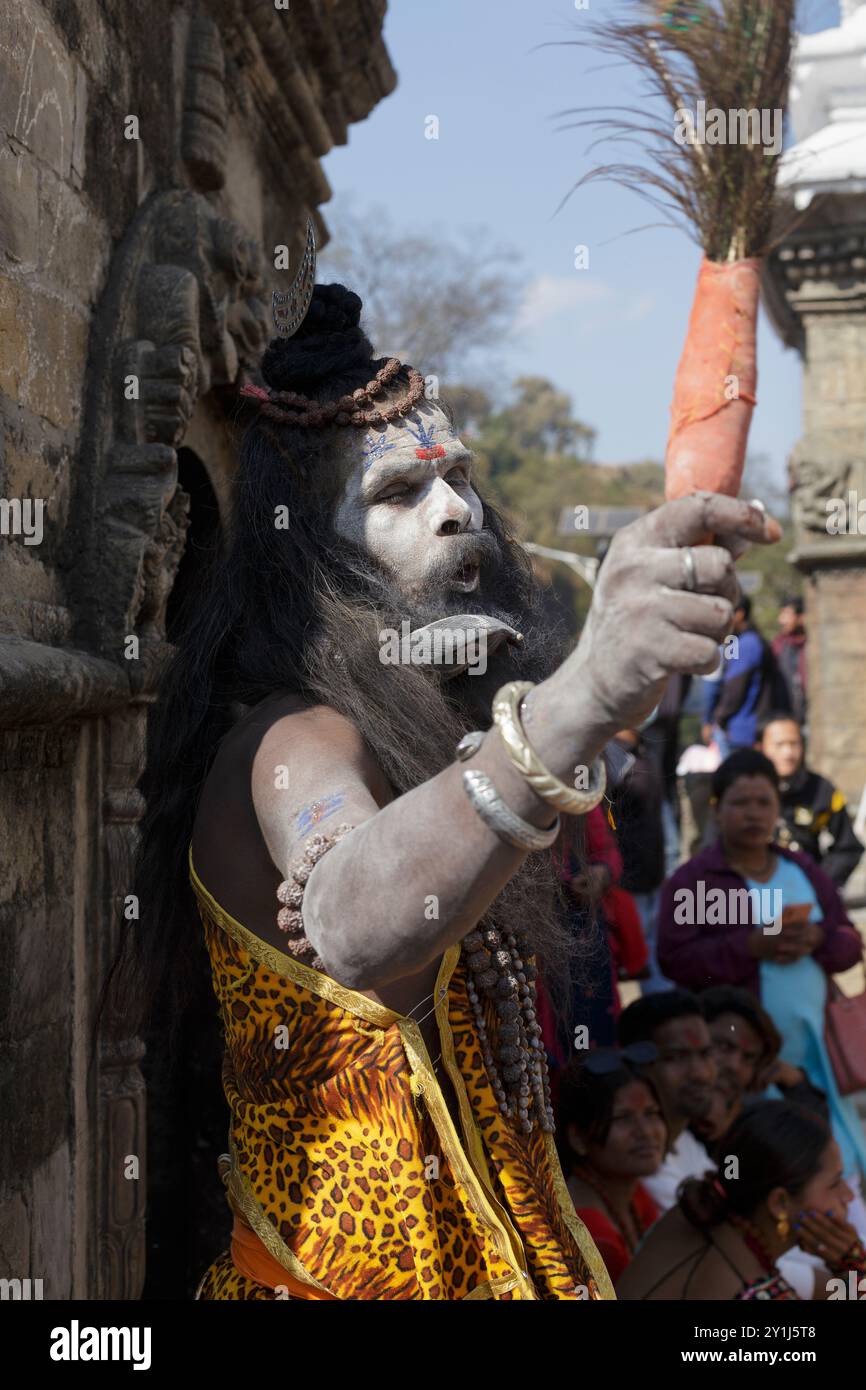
column 328, row 346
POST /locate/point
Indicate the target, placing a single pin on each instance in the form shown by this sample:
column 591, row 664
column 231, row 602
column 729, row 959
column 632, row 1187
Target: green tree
column 540, row 418
column 531, row 455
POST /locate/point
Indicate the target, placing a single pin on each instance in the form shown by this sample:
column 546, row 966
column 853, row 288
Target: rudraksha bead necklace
column 518, row 1072
column 290, row 408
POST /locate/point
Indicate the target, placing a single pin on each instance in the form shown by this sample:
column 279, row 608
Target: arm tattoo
column 309, row 816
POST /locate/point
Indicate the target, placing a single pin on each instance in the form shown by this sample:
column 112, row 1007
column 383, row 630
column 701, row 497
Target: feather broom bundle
column 731, row 58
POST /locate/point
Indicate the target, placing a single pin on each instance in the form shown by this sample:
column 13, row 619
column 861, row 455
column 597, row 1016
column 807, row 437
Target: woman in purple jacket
column 748, row 912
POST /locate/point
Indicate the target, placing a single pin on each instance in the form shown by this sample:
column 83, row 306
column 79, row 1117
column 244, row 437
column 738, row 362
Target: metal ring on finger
column 691, row 580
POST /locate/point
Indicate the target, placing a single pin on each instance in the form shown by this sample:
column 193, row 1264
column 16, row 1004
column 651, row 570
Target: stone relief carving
column 181, row 314
column 816, row 477
column 204, row 106
column 121, row 1088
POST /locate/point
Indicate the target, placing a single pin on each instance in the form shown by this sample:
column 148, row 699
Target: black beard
column 504, row 593
column 412, row 718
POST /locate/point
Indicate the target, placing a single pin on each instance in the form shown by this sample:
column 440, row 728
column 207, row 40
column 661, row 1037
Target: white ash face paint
column 408, row 495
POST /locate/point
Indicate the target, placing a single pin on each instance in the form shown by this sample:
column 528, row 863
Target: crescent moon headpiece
column 290, row 306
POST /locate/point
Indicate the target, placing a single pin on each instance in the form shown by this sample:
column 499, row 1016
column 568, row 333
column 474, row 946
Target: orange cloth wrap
column 250, row 1257
column 707, row 444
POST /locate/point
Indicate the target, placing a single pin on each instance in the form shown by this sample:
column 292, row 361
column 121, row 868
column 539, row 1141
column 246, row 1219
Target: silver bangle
column 500, row 818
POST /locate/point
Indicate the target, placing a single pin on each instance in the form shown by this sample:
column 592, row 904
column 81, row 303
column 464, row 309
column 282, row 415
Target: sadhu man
column 377, row 903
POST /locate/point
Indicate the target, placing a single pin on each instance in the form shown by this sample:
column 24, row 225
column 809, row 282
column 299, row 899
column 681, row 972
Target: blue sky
column 610, row 335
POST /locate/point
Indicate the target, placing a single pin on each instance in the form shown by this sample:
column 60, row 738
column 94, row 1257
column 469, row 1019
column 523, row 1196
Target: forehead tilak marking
column 429, row 449
column 375, row 445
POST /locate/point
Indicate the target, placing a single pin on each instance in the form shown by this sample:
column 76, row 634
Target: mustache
column 478, row 547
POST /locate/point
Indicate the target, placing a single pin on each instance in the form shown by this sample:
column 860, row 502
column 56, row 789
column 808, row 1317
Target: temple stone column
column 815, row 292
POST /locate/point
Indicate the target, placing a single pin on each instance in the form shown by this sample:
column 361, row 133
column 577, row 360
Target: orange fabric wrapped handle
column 714, row 391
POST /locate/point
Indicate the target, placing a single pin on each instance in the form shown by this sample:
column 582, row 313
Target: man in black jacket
column 814, row 812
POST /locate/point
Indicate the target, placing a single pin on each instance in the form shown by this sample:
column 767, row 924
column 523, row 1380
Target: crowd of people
column 707, row 1142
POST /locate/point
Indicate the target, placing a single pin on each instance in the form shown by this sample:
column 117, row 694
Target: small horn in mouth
column 495, row 633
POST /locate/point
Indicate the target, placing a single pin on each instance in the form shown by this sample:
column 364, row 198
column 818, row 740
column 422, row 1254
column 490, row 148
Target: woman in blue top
column 793, row 986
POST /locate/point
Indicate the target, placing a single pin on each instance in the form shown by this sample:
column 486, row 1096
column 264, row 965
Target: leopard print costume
column 345, row 1161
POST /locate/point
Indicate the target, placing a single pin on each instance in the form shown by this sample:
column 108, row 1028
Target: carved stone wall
column 153, row 156
column 816, row 293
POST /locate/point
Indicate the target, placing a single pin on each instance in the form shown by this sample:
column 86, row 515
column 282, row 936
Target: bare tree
column 443, row 302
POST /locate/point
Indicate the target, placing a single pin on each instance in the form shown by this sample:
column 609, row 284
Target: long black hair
column 268, row 615
column 587, row 1100
column 776, row 1144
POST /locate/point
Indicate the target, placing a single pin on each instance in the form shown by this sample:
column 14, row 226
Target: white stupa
column 827, row 107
